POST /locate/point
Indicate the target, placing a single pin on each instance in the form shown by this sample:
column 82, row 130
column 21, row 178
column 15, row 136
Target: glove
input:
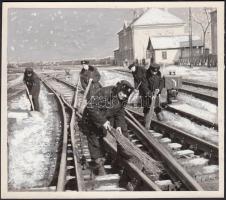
column 90, row 79
column 107, row 125
column 157, row 90
column 119, row 129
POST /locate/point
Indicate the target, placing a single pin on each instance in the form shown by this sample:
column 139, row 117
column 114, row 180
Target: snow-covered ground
column 32, row 142
column 195, row 106
column 107, row 78
column 191, row 127
column 204, row 74
column 15, row 81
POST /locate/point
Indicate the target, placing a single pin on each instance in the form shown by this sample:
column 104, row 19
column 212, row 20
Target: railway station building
column 156, row 34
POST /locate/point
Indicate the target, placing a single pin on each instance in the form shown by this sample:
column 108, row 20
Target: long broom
column 84, row 101
column 30, row 99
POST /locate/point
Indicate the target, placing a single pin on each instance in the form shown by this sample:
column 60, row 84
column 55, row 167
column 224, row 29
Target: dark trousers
column 35, row 102
column 95, row 137
column 146, row 102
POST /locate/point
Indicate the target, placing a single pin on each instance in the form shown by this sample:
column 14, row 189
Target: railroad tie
column 165, row 185
column 157, row 135
column 70, row 167
column 165, row 140
column 174, row 146
column 109, row 188
column 184, row 153
column 135, row 140
column 68, row 178
column 69, row 158
column 107, row 180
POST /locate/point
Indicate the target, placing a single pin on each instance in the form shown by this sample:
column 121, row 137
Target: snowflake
column 12, row 48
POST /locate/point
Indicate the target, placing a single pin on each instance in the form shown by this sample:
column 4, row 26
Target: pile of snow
column 198, row 103
column 203, row 114
column 191, row 127
column 32, row 144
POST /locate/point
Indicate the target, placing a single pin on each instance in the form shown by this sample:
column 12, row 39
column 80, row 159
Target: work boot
column 100, row 171
column 160, row 116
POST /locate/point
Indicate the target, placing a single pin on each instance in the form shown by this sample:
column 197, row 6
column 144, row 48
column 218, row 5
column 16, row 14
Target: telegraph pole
column 190, row 38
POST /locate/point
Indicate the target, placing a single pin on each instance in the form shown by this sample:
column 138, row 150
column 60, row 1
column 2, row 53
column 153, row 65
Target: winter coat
column 85, row 75
column 33, row 84
column 140, row 77
column 103, row 106
column 154, row 81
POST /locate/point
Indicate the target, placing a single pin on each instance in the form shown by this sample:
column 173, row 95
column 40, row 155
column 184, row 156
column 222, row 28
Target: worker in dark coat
column 105, row 110
column 89, row 72
column 140, row 80
column 155, row 82
column 33, row 84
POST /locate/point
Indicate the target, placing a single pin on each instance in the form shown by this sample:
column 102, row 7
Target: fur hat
column 154, row 67
column 84, row 62
column 28, row 70
column 125, row 87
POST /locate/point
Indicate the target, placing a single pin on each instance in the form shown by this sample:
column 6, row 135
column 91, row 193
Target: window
column 164, row 55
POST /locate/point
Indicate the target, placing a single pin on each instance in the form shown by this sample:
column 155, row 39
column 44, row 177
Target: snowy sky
column 65, row 34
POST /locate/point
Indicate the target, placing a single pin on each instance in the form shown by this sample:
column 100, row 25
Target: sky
column 68, row 34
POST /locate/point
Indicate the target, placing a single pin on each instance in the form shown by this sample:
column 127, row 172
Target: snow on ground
column 190, row 127
column 197, row 112
column 111, row 78
column 32, row 143
column 15, row 81
column 204, row 74
column 107, row 78
column 198, row 103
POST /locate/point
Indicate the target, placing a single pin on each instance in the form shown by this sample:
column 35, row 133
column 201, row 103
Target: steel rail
column 62, row 171
column 171, row 162
column 208, row 98
column 131, row 167
column 199, row 85
column 61, row 182
column 182, row 135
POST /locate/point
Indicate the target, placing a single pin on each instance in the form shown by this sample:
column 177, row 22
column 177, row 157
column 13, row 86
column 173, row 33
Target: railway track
column 183, row 155
column 177, row 151
column 79, row 156
column 197, row 156
column 200, row 84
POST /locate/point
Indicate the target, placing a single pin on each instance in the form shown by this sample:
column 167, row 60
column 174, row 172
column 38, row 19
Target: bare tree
column 204, row 20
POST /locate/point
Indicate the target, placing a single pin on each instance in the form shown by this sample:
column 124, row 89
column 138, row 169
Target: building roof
column 157, row 16
column 171, row 42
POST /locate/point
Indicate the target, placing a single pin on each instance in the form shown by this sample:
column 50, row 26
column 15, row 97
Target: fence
column 202, row 60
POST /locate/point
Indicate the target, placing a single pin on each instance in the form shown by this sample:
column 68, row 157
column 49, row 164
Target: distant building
column 168, row 49
column 134, row 37
column 213, row 16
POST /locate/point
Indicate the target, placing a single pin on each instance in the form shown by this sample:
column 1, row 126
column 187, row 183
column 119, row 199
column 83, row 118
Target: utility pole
column 190, row 38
